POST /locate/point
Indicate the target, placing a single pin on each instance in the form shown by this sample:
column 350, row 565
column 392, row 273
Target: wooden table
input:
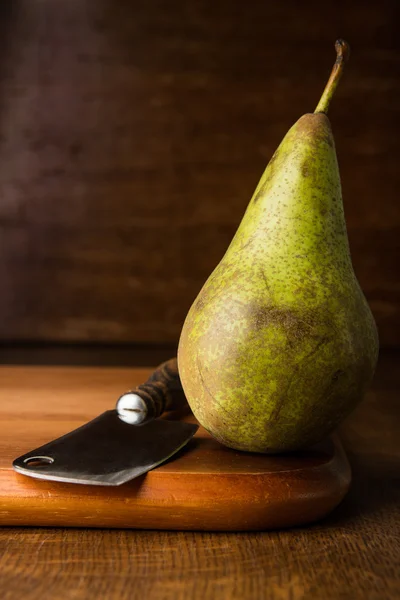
column 354, row 554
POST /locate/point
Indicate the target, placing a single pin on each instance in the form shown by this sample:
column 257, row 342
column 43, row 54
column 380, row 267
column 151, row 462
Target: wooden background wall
column 132, row 135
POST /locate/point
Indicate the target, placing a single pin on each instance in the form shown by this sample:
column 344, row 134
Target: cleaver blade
column 119, row 444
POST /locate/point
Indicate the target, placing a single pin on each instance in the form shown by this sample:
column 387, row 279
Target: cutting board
column 206, row 486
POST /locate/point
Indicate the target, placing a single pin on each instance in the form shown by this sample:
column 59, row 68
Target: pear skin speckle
column 280, row 344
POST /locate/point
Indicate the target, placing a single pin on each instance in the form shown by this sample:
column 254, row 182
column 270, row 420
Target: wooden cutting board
column 205, row 487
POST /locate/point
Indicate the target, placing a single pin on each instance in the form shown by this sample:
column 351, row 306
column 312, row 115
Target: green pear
column 280, row 344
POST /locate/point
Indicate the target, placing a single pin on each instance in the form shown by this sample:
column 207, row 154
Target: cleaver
column 120, row 444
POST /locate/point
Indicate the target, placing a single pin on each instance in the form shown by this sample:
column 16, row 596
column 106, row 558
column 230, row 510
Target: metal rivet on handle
column 132, row 409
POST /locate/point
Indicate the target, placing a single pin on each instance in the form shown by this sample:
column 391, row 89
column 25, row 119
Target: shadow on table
column 375, row 489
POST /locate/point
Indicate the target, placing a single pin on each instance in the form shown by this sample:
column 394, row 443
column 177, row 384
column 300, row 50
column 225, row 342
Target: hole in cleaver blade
column 106, row 451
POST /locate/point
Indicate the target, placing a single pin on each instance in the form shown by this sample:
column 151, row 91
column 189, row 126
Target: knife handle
column 162, row 391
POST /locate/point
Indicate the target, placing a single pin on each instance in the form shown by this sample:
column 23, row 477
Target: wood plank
column 205, row 487
column 131, row 140
column 352, row 554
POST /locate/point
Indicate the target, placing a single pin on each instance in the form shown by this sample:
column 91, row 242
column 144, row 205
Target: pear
column 280, row 344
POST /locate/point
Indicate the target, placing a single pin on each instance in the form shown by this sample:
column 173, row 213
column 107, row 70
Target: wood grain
column 205, row 487
column 132, row 137
column 351, row 555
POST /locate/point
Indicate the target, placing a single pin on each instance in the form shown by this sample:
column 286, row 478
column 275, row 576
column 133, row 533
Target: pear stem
column 342, row 54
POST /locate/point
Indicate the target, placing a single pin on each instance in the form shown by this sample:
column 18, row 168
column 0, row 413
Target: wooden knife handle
column 162, row 391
